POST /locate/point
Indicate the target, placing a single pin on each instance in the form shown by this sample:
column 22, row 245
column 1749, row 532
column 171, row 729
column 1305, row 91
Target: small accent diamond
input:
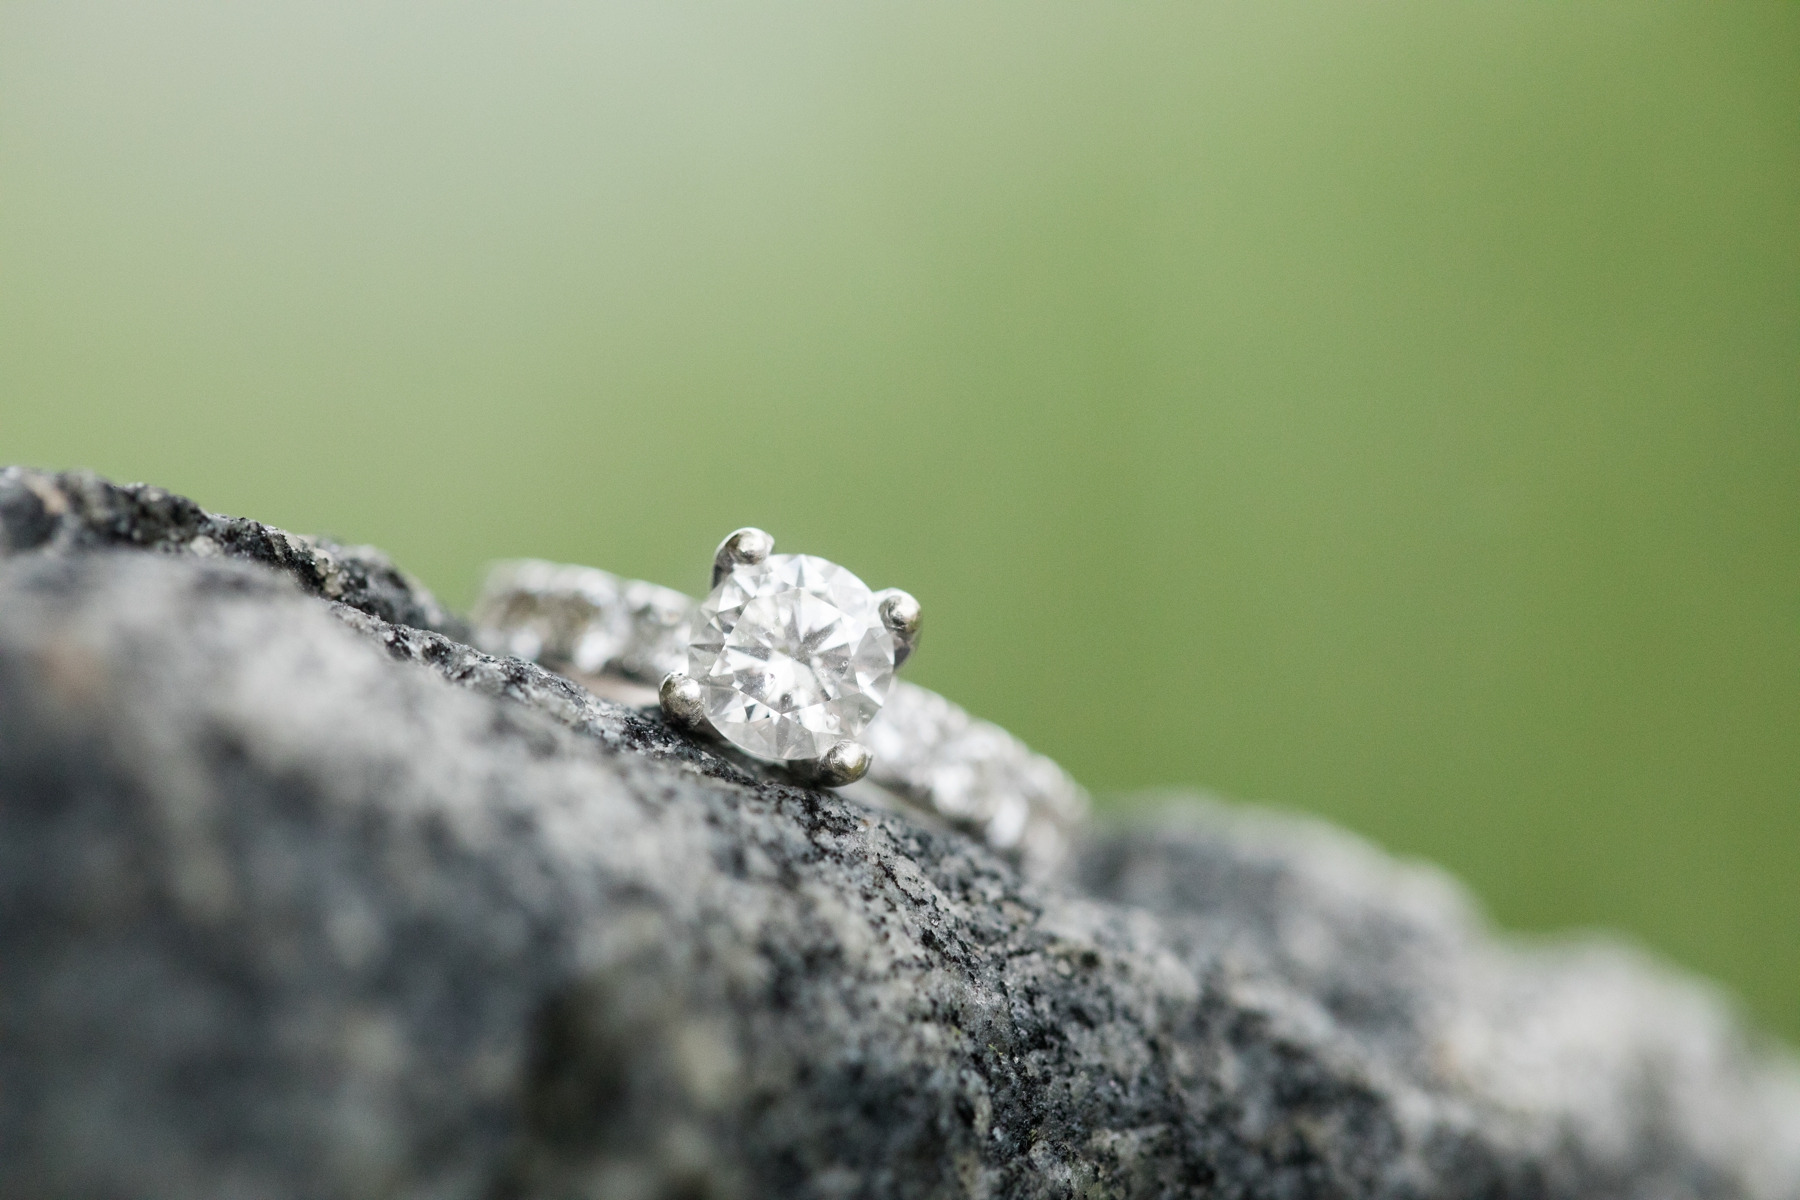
column 792, row 656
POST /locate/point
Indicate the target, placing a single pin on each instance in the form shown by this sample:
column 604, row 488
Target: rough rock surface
column 298, row 901
column 77, row 510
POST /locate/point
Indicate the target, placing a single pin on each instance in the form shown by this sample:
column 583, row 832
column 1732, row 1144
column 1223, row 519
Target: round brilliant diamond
column 792, row 656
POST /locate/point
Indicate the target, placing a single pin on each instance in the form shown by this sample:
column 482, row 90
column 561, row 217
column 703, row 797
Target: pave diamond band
column 799, row 663
column 974, row 776
column 585, row 619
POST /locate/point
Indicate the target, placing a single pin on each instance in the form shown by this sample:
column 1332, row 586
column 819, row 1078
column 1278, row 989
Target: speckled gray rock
column 72, row 511
column 296, row 901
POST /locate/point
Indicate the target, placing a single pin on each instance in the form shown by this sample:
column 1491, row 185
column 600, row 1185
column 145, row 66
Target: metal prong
column 682, row 701
column 740, row 548
column 846, row 762
column 900, row 613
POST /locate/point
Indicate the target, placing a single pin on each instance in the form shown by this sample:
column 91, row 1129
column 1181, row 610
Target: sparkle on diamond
column 792, row 655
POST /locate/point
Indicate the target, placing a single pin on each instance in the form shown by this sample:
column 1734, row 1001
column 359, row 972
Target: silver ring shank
column 621, row 636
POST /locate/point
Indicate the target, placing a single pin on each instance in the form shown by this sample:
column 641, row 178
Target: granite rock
column 72, row 511
column 302, row 896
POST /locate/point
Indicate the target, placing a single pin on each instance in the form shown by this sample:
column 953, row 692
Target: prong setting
column 900, row 614
column 683, row 702
column 741, row 547
column 845, row 763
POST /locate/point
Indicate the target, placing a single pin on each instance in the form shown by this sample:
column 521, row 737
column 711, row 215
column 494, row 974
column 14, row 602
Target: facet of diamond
column 792, row 655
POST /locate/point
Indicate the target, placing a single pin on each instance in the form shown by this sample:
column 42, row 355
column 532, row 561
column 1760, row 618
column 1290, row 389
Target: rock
column 299, row 900
column 78, row 510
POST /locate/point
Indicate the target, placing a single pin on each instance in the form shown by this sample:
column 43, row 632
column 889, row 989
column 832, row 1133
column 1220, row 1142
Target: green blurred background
column 1390, row 411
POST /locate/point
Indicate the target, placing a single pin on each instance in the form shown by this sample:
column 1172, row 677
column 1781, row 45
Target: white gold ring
column 791, row 659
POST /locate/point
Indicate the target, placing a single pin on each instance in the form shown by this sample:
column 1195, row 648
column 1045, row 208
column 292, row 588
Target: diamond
column 792, row 656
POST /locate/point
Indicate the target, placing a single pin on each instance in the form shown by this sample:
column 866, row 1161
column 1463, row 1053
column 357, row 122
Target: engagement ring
column 791, row 659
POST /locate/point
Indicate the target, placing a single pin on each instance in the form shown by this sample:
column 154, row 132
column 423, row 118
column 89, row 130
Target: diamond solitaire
column 791, row 658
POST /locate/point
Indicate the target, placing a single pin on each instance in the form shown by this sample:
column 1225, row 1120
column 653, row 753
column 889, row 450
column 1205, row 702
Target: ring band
column 619, row 637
